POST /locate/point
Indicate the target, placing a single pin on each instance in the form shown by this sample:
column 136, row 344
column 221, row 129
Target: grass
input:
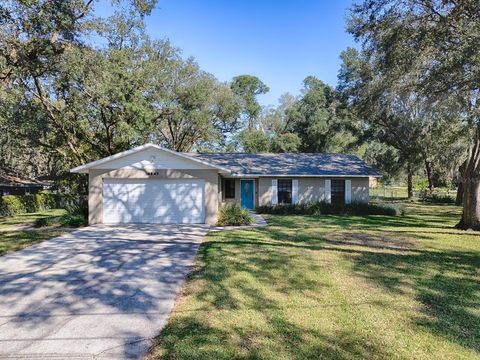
column 14, row 237
column 332, row 287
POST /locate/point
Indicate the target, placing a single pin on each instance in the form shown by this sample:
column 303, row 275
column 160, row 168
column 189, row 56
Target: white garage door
column 153, row 201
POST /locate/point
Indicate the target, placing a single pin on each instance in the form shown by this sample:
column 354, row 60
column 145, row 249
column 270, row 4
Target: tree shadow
column 224, row 286
column 190, row 336
column 446, row 283
column 97, row 273
column 385, row 251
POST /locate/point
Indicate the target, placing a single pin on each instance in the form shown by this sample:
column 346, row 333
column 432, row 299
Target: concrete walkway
column 98, row 292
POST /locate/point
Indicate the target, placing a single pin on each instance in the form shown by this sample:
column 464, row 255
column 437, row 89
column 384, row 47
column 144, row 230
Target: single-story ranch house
column 151, row 184
column 12, row 183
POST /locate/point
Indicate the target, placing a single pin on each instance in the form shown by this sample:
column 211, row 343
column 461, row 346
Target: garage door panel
column 153, row 201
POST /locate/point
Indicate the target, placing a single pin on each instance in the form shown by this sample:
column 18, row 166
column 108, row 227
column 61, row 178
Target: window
column 229, row 188
column 338, row 191
column 284, row 191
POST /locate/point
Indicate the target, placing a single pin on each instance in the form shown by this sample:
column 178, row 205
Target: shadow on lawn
column 268, row 333
column 279, row 269
column 189, row 337
column 445, row 282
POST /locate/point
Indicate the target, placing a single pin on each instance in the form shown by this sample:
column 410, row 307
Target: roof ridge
column 269, row 153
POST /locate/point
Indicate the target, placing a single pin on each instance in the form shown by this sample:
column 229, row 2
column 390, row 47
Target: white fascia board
column 91, row 165
column 302, row 175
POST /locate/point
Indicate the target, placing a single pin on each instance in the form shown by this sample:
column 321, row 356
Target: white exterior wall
column 153, row 164
column 152, row 159
column 312, row 190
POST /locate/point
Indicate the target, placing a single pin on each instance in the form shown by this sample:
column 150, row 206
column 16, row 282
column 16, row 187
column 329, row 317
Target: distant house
column 150, row 184
column 12, row 183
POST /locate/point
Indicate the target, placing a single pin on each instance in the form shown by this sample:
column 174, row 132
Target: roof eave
column 83, row 169
column 307, row 175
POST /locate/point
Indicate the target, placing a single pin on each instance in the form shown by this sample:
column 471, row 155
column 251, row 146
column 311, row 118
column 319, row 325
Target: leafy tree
column 432, row 48
column 276, row 121
column 196, row 109
column 35, row 38
column 285, row 142
column 416, row 126
column 273, row 134
column 248, row 87
column 319, row 120
column 385, row 159
column 35, row 33
column 95, row 102
column 254, row 141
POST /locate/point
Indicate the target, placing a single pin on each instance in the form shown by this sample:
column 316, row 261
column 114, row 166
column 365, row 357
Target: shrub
column 437, row 198
column 11, row 205
column 20, row 204
column 234, row 215
column 73, row 220
column 67, row 220
column 440, row 199
column 46, row 221
column 77, row 207
column 365, row 209
column 319, row 208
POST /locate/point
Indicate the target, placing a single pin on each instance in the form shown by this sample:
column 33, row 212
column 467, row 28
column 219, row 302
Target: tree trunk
column 409, row 182
column 471, row 204
column 459, row 198
column 470, row 177
column 428, row 169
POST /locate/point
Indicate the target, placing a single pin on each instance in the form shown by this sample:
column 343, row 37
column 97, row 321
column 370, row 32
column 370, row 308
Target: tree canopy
column 419, row 69
column 407, row 99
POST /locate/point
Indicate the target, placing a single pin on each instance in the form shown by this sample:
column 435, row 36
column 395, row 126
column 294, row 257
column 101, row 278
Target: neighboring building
column 150, row 184
column 12, row 183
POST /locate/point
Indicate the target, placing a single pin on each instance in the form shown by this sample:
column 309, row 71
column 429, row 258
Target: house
column 13, row 183
column 151, row 184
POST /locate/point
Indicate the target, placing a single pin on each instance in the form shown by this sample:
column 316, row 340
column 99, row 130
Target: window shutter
column 328, row 191
column 274, row 192
column 348, row 191
column 294, row 191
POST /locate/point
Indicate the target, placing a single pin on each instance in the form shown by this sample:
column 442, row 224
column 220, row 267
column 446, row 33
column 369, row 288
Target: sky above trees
column 281, row 42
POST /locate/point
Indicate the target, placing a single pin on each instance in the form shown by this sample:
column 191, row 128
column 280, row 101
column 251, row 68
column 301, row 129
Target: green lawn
column 13, row 237
column 333, row 287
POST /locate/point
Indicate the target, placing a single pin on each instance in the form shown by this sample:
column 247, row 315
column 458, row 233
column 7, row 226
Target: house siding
column 95, row 199
column 360, row 188
column 264, row 191
column 312, row 190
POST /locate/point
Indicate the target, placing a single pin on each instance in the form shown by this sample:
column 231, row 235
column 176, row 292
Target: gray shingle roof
column 289, row 164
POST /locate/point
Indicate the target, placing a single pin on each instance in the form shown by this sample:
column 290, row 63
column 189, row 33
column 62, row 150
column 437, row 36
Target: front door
column 246, row 194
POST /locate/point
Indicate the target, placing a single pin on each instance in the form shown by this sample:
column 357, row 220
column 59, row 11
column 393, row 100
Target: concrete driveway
column 98, row 292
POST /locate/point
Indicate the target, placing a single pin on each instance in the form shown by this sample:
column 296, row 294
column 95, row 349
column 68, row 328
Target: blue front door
column 246, row 194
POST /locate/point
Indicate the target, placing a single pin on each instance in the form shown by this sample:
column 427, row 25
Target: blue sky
column 280, row 41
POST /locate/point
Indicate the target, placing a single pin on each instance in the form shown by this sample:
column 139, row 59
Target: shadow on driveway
column 97, row 292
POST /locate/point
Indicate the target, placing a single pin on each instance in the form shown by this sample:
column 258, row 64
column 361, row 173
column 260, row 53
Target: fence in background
column 400, row 193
